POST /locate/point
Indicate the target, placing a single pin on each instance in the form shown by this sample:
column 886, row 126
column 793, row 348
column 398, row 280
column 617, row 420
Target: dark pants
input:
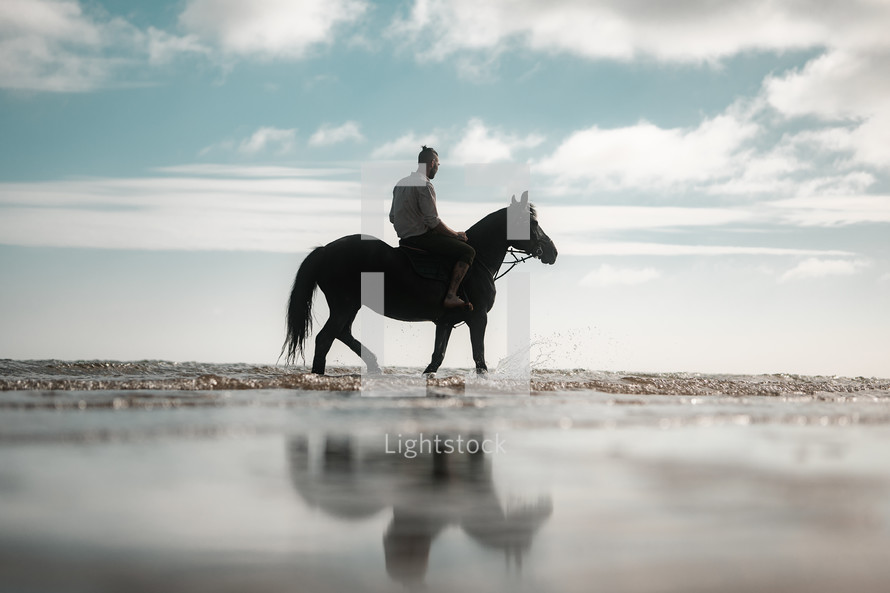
column 450, row 247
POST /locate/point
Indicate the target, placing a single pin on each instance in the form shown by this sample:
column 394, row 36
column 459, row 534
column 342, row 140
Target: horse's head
column 538, row 244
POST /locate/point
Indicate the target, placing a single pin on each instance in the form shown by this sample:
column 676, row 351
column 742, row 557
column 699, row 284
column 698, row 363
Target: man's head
column 430, row 157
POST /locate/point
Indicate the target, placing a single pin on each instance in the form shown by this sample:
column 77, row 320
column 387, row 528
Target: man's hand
column 444, row 229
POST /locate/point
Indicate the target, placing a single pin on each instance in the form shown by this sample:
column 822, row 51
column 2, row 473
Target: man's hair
column 427, row 155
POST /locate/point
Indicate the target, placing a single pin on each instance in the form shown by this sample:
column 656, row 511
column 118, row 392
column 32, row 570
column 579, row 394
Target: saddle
column 427, row 264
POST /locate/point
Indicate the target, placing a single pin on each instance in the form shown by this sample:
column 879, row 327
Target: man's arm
column 444, row 229
column 427, row 203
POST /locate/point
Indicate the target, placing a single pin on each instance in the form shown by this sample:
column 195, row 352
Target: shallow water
column 160, row 476
column 156, row 375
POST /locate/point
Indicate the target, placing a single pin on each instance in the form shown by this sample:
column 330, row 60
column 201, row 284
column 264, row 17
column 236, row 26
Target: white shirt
column 414, row 211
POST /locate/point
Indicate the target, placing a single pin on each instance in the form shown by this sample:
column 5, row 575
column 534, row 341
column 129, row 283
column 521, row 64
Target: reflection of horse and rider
column 473, row 259
column 351, row 480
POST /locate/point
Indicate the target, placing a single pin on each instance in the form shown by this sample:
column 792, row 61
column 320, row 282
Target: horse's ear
column 524, row 198
column 513, row 200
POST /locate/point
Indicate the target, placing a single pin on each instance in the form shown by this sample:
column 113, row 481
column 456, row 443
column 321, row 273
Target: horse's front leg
column 443, row 333
column 477, row 324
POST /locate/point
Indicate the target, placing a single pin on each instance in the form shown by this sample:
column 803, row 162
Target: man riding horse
column 337, row 270
column 416, row 220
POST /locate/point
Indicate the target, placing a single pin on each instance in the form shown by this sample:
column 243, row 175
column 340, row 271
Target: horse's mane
column 533, row 215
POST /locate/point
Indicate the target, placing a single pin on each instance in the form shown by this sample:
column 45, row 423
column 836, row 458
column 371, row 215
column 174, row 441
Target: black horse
column 337, row 267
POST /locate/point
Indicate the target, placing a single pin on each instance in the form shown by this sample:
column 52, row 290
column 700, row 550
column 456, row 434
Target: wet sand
column 283, row 490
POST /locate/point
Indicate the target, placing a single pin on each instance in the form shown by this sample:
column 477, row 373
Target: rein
column 516, row 260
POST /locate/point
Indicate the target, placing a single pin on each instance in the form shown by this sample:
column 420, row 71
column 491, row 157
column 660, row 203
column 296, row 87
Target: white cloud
column 249, row 212
column 821, row 268
column 327, row 135
column 771, row 171
column 828, row 211
column 269, row 28
column 838, row 84
column 842, row 84
column 476, row 143
column 814, row 161
column 480, row 144
column 53, row 46
column 262, row 140
column 848, row 184
column 732, row 154
column 806, row 210
column 849, row 81
column 252, row 171
column 562, row 219
column 405, row 147
column 870, row 140
column 580, row 246
column 164, row 47
column 647, row 156
column 692, row 31
column 607, row 275
column 59, row 46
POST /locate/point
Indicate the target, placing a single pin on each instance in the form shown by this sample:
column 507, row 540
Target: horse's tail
column 299, row 308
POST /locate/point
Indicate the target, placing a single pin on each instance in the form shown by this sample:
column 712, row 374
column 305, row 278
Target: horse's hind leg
column 366, row 355
column 323, row 342
column 339, row 320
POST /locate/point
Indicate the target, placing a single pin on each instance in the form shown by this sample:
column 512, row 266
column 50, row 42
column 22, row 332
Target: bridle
column 538, row 252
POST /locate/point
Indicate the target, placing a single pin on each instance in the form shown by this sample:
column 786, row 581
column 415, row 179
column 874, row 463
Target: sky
column 715, row 175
